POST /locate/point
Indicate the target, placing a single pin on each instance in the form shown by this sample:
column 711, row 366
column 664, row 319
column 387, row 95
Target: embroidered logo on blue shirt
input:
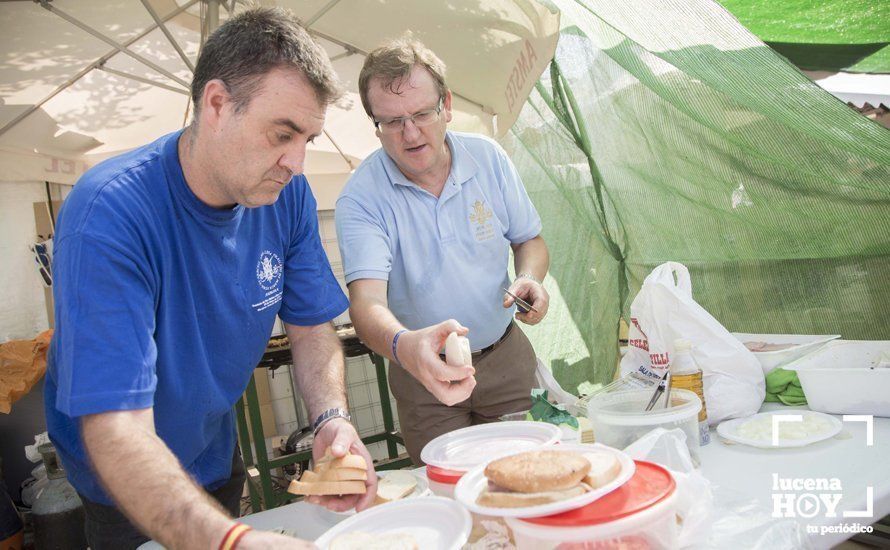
column 480, row 215
column 268, row 270
column 268, row 274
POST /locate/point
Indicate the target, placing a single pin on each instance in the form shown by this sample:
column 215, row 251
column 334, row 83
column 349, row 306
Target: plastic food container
column 463, row 449
column 442, row 481
column 619, row 418
column 435, row 523
column 847, row 377
column 569, row 435
column 640, row 515
column 800, row 345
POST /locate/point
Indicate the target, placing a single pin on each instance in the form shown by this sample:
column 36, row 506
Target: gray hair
column 251, row 44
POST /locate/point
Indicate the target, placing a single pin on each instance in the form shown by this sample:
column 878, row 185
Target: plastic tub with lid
column 640, row 515
column 451, row 455
column 619, row 418
column 442, row 481
column 569, row 434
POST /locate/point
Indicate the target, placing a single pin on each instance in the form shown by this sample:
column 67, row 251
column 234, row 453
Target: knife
column 521, row 305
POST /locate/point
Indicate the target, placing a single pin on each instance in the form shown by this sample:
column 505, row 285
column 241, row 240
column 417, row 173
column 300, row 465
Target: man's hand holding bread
column 335, row 441
column 418, row 352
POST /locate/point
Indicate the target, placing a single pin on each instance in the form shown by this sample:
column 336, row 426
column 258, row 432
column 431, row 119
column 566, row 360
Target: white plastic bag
column 715, row 517
column 664, row 311
column 694, row 497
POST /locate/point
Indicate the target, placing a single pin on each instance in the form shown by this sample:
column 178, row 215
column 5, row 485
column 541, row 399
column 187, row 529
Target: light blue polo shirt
column 443, row 257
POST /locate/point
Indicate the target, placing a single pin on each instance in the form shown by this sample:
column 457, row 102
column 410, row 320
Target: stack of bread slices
column 345, row 475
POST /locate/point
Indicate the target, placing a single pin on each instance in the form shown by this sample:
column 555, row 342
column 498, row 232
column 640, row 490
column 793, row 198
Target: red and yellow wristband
column 233, row 535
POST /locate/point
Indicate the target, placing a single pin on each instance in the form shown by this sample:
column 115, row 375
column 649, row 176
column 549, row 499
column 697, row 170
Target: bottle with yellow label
column 686, row 374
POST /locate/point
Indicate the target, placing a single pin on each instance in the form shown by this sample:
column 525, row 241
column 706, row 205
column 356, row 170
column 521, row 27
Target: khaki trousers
column 505, row 376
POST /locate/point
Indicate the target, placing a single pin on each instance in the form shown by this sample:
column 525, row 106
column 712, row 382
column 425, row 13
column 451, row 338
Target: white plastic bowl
column 802, row 345
column 619, row 418
column 436, row 523
column 844, row 377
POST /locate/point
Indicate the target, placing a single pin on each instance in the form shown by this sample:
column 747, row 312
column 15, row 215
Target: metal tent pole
column 101, row 61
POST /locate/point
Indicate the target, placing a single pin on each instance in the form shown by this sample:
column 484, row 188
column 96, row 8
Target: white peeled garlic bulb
column 457, row 350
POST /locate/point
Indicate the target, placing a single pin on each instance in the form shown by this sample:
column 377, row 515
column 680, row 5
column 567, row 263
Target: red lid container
column 649, row 485
column 442, row 475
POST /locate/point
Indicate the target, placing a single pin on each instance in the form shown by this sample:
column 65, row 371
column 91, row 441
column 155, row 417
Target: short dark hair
column 392, row 62
column 251, row 44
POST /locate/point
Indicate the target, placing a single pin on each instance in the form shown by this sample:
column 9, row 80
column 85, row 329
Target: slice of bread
column 310, row 477
column 327, row 488
column 500, row 499
column 604, row 467
column 347, row 461
column 344, row 474
column 358, row 540
column 539, row 471
column 335, row 474
column 395, row 485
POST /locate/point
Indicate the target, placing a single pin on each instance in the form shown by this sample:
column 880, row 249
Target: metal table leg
column 385, row 406
column 247, row 454
column 259, row 445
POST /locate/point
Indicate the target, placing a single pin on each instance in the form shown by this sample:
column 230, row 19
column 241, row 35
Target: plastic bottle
column 686, row 374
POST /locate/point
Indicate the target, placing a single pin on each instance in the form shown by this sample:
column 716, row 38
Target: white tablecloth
column 741, row 474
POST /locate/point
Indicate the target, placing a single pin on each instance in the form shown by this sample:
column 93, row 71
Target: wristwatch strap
column 329, row 415
column 528, row 276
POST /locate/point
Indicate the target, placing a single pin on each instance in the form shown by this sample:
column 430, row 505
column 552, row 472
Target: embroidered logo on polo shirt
column 480, row 215
column 268, row 270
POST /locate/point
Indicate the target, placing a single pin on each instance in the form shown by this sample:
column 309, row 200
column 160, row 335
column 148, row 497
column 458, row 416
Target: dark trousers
column 505, row 376
column 108, row 529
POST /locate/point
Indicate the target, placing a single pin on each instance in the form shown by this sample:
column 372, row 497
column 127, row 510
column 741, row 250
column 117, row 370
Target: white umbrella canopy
column 81, row 80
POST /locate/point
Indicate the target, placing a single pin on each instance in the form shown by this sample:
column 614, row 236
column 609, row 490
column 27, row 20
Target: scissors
column 521, row 305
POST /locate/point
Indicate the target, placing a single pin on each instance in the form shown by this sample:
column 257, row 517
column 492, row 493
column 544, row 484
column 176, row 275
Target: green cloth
column 783, row 386
column 666, row 131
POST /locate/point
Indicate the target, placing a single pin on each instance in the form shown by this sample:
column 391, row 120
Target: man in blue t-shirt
column 425, row 227
column 171, row 264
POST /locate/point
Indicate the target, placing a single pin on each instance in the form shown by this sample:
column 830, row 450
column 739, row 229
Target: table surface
column 751, row 472
column 746, row 473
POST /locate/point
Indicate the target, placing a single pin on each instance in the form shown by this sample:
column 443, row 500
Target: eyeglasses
column 421, row 118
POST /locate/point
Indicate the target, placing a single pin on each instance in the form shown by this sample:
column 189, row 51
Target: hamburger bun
column 507, row 499
column 539, row 471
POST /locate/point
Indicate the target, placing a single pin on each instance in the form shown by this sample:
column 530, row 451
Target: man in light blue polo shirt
column 425, row 227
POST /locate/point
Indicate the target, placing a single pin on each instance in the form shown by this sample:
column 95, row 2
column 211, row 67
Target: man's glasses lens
column 423, row 118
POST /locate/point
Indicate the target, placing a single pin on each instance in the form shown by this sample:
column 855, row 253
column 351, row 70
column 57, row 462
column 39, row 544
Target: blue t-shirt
column 443, row 257
column 162, row 301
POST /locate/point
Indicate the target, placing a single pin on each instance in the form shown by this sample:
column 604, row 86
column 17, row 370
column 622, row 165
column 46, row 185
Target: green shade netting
column 849, row 35
column 666, row 131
